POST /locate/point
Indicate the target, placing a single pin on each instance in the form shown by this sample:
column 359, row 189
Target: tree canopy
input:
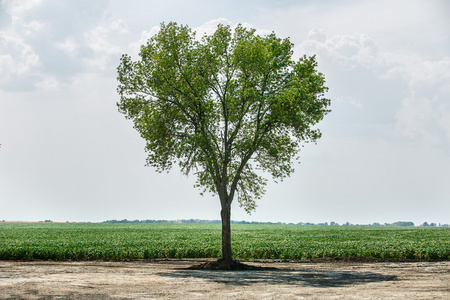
column 215, row 104
column 228, row 107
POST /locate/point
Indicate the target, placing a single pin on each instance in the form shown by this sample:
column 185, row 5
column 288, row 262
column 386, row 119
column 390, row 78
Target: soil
column 229, row 266
column 172, row 279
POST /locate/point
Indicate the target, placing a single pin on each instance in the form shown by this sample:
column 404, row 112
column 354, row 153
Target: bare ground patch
column 171, row 279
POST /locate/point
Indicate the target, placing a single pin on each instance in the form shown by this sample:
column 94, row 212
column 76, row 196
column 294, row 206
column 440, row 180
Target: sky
column 67, row 154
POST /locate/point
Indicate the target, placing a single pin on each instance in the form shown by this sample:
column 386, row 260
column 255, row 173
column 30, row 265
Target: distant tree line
column 165, row 221
column 198, row 221
column 425, row 224
column 191, row 221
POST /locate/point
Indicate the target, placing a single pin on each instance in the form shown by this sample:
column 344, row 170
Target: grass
column 102, row 241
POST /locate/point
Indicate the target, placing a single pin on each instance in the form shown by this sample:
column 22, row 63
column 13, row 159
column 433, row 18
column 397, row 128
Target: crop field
column 103, row 241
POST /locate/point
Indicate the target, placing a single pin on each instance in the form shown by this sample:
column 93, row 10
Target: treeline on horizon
column 198, row 221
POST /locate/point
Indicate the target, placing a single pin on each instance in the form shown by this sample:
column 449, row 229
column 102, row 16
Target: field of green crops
column 102, row 241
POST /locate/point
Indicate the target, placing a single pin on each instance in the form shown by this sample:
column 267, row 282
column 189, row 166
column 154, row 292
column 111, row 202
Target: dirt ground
column 172, row 280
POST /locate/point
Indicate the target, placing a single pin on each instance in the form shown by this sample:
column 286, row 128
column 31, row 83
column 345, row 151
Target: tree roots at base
column 222, row 264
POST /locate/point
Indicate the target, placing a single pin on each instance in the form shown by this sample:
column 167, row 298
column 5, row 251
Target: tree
column 402, row 223
column 227, row 107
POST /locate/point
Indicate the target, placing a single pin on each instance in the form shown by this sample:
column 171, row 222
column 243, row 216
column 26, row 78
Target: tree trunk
column 226, row 233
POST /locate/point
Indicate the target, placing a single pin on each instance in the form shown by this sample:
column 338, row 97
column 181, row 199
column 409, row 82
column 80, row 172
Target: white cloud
column 17, row 8
column 69, row 46
column 259, row 31
column 422, row 111
column 210, row 27
column 120, row 26
column 18, row 11
column 348, row 51
column 19, row 58
column 48, row 83
column 32, row 27
column 99, row 41
column 355, row 102
column 425, row 109
column 44, row 41
column 418, row 71
column 351, row 100
column 316, row 34
column 104, row 41
column 145, row 35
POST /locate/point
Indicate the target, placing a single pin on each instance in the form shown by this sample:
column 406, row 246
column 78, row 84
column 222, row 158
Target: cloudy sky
column 67, row 154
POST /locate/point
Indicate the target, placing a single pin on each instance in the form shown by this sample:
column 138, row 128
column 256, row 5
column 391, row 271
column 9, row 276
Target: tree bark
column 225, row 213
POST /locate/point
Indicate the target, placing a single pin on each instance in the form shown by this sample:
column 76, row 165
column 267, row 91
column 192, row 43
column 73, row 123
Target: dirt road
column 171, row 280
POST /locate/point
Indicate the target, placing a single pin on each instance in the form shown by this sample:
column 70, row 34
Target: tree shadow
column 315, row 278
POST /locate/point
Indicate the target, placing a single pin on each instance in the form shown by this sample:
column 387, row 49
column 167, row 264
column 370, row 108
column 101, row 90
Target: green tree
column 223, row 107
column 402, row 223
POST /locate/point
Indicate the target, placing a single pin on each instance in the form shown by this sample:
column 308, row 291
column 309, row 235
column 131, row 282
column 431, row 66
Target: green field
column 101, row 241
